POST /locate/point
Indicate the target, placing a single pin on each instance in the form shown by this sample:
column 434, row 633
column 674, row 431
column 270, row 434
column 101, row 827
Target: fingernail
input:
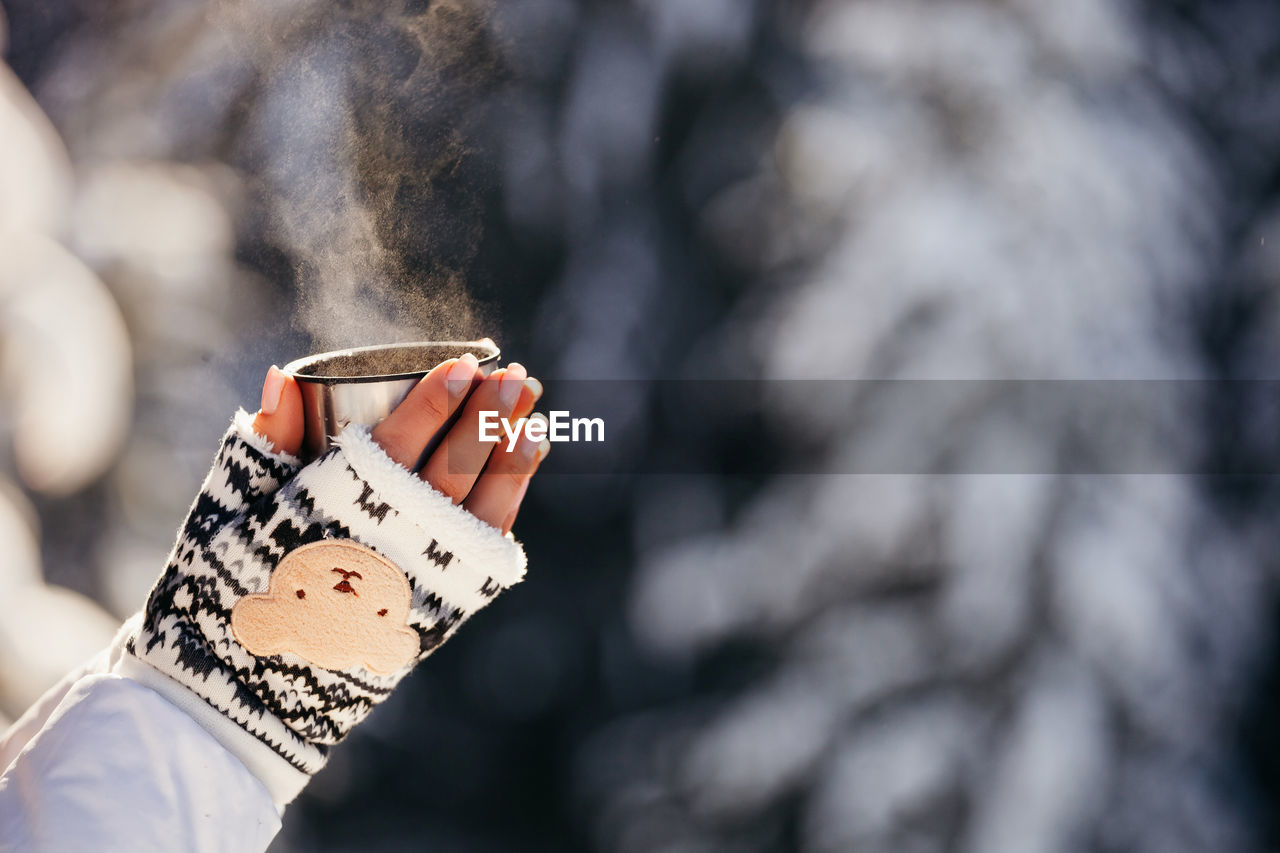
column 459, row 377
column 512, row 382
column 534, row 386
column 544, row 448
column 272, row 389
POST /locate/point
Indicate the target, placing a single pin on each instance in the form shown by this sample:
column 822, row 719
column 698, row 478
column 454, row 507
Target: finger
column 529, row 396
column 405, row 432
column 527, row 401
column 241, row 471
column 498, row 490
column 458, row 461
column 510, row 520
column 279, row 420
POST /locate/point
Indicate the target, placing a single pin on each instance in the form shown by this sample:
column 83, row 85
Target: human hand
column 489, row 482
column 250, row 615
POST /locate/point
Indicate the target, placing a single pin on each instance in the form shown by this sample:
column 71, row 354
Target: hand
column 489, row 482
column 247, row 615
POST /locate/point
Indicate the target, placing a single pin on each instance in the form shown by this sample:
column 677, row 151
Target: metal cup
column 362, row 385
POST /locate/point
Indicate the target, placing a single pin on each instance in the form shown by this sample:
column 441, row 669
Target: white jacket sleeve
column 118, row 767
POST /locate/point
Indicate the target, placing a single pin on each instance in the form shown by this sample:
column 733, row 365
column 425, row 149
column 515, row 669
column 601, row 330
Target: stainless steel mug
column 362, row 385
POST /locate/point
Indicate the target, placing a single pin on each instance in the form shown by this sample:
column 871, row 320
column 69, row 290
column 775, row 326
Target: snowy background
column 733, row 660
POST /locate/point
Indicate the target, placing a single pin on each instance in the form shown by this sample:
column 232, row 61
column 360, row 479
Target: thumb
column 280, row 418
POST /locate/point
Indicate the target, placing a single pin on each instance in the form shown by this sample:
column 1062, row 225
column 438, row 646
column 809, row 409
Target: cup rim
column 298, row 367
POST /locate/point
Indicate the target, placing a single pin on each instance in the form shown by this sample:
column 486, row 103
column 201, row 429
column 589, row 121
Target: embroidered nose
column 344, row 585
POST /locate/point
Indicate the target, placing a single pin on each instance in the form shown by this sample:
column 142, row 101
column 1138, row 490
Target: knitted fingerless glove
column 297, row 598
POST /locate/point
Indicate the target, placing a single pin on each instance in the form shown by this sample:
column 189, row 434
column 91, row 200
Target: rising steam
column 366, row 137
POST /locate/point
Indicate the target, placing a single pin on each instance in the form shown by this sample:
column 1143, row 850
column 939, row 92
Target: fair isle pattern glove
column 295, row 599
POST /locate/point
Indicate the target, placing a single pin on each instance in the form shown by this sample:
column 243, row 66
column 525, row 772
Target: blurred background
column 734, row 658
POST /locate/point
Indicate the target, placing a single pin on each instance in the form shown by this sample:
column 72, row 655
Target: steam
column 367, row 141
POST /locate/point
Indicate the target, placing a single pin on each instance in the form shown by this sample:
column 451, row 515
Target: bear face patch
column 335, row 604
